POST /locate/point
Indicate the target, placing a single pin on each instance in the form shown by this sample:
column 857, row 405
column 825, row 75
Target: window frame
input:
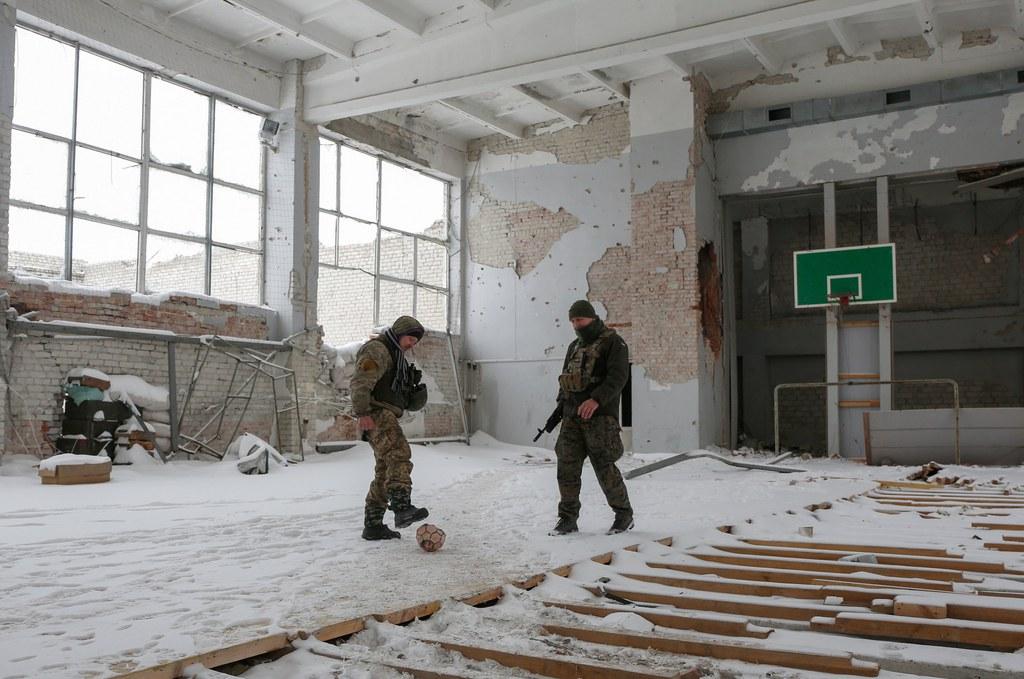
column 146, row 163
column 336, row 144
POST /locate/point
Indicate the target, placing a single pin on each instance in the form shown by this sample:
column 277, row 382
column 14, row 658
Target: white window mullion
column 211, row 125
column 69, row 219
column 147, row 100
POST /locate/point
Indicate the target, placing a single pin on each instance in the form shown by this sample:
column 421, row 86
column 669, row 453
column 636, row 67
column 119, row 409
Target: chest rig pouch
column 579, row 373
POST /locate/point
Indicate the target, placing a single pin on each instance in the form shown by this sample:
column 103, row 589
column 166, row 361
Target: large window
column 383, row 244
column 121, row 178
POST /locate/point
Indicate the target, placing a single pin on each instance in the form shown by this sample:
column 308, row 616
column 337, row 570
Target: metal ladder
column 250, row 365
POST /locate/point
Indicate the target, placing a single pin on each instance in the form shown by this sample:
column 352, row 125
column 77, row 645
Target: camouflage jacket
column 604, row 366
column 373, row 364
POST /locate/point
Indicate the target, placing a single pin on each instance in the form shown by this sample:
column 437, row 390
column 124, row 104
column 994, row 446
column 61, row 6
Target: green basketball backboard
column 866, row 274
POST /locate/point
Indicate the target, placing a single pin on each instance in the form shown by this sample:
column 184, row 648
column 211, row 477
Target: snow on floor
column 169, row 561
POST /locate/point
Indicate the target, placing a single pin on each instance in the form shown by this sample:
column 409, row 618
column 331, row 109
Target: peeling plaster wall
column 946, row 136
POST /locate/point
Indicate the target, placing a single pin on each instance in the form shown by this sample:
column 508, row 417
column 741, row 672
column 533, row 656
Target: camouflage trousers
column 599, row 440
column 393, row 469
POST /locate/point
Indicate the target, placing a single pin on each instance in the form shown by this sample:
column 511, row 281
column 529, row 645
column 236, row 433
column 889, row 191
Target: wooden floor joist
column 1005, row 546
column 217, row 658
column 710, row 625
column 405, row 667
column 993, row 636
column 563, row 667
column 882, row 559
column 854, row 548
column 996, row 525
column 838, row 663
column 799, row 577
column 944, row 575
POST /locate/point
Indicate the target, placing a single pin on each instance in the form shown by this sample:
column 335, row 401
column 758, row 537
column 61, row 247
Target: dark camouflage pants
column 393, row 470
column 599, row 440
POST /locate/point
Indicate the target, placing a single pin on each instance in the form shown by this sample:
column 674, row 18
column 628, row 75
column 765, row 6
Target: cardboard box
column 72, row 474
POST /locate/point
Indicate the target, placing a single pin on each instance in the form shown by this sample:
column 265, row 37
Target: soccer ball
column 430, row 537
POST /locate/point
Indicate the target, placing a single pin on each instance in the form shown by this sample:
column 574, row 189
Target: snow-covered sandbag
column 140, row 392
column 163, row 444
column 137, row 455
column 159, row 428
column 255, row 456
column 51, row 463
column 161, row 416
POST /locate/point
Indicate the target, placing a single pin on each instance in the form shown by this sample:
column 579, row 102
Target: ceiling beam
column 554, row 106
column 325, row 11
column 763, row 54
column 601, row 80
column 334, row 90
column 488, row 5
column 484, row 117
column 844, row 36
column 408, row 21
column 679, row 64
column 290, row 22
column 925, row 11
column 256, row 37
column 186, row 7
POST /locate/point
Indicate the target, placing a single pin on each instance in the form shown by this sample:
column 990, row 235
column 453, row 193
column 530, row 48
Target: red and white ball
column 430, row 537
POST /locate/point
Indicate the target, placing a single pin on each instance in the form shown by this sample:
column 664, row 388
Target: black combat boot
column 374, row 528
column 623, row 522
column 564, row 527
column 406, row 513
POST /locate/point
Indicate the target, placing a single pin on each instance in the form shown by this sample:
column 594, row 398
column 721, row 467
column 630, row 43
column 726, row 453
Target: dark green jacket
column 610, row 374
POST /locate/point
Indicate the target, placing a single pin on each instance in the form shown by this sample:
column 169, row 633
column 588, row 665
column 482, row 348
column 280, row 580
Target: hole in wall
column 897, row 97
column 781, row 113
column 709, row 278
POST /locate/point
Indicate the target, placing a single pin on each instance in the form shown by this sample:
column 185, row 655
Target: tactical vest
column 579, row 373
column 382, row 391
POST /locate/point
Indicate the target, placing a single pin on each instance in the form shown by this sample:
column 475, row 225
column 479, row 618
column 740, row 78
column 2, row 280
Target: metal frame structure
column 241, row 388
column 145, row 163
column 381, row 229
column 859, row 383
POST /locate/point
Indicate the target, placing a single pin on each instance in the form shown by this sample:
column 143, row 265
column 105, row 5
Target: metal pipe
column 141, row 334
column 458, row 388
column 849, row 383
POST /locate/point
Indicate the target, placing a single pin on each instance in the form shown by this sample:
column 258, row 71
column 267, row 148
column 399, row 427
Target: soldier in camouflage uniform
column 595, row 371
column 384, row 386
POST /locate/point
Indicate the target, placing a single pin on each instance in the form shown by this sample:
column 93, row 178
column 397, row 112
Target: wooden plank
column 1005, row 546
column 920, row 485
column 866, row 421
column 846, row 547
column 487, row 596
column 216, row 658
column 734, row 628
column 837, row 567
column 864, row 403
column 883, row 559
column 943, row 491
column 946, row 504
column 1013, row 538
column 995, row 525
column 985, row 635
column 342, row 653
column 859, row 376
column 799, row 577
column 337, row 630
column 838, row 663
column 565, row 667
column 941, row 497
column 404, row 615
column 756, row 609
column 919, row 609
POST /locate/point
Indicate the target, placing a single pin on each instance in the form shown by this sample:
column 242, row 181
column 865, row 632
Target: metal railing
column 855, row 383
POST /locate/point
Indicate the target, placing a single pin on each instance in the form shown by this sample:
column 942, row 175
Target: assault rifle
column 553, row 420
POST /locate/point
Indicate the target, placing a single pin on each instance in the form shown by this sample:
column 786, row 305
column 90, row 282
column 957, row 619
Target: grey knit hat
column 581, row 308
column 407, row 325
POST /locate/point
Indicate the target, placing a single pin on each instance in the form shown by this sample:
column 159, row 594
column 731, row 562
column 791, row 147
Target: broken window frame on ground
column 146, row 163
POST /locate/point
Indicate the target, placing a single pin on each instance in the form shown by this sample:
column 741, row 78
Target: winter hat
column 407, row 325
column 581, row 308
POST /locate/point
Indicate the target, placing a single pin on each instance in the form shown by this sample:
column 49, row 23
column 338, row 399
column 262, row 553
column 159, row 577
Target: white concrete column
column 885, row 352
column 831, row 335
column 7, row 19
column 293, row 196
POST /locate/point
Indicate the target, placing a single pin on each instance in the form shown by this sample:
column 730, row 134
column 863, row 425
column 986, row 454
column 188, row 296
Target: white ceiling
column 373, row 51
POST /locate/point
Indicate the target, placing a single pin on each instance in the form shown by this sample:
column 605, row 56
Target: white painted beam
column 404, row 19
column 187, row 7
column 288, row 21
column 486, row 4
column 325, row 11
column 256, row 37
column 564, row 112
column 480, row 115
column 844, row 36
column 618, row 89
column 763, row 54
column 679, row 64
column 336, row 90
column 925, row 12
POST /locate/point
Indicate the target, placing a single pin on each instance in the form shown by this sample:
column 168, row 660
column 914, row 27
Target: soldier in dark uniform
column 595, row 371
column 384, row 386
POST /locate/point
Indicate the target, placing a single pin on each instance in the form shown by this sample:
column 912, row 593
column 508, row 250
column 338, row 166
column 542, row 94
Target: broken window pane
column 177, row 203
column 328, row 175
column 432, row 264
column 432, row 309
column 109, row 105
column 396, row 255
column 104, row 256
column 344, row 305
column 106, row 186
column 178, row 123
column 44, row 83
column 236, row 217
column 39, row 170
column 36, row 242
column 395, row 301
column 236, row 276
column 237, row 152
column 358, row 184
column 357, row 244
column 412, row 201
column 174, row 265
column 328, row 237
